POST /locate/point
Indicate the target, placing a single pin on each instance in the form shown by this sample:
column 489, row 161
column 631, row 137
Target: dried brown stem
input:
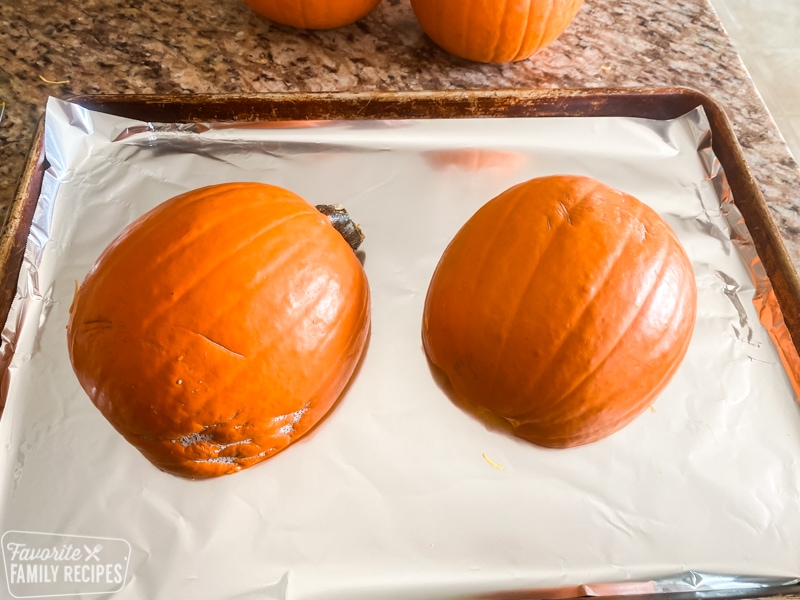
column 342, row 222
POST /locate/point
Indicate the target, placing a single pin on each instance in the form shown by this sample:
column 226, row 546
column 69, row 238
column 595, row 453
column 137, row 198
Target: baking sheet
column 392, row 497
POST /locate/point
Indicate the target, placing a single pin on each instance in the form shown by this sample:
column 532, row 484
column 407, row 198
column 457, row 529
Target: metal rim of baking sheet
column 650, row 103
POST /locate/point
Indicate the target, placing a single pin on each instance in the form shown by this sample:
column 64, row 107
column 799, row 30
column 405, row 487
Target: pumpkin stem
column 342, row 223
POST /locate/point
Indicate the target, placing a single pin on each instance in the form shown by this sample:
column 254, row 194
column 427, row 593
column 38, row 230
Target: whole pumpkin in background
column 313, row 14
column 220, row 327
column 493, row 30
column 562, row 306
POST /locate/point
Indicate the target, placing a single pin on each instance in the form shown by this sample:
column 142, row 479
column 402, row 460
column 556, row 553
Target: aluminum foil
column 401, row 494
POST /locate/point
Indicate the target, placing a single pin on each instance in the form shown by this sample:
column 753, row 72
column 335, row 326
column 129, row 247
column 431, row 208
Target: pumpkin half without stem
column 495, row 31
column 313, row 14
column 562, row 306
column 220, row 327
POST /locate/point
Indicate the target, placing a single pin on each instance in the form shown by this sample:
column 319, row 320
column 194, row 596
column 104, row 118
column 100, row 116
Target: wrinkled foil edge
column 28, row 294
column 765, row 300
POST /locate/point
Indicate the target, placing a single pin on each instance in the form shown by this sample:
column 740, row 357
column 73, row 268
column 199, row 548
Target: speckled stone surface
column 167, row 46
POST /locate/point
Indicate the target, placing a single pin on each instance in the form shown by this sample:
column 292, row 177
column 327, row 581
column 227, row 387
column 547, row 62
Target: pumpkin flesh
column 220, row 327
column 562, row 306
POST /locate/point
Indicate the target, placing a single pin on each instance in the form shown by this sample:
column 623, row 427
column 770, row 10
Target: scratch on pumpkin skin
column 566, row 212
column 95, row 324
column 220, row 345
column 217, row 344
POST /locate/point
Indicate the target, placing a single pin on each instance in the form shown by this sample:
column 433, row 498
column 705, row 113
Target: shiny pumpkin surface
column 562, row 306
column 220, row 327
column 313, row 14
column 493, row 30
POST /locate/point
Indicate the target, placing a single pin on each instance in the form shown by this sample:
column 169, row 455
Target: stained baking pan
column 175, row 545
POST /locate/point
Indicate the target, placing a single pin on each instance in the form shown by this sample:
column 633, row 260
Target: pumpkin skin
column 562, row 306
column 494, row 31
column 220, row 327
column 313, row 14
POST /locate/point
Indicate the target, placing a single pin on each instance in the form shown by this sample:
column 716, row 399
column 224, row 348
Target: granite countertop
column 121, row 46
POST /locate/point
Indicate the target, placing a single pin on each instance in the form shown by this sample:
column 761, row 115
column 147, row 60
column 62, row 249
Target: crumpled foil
column 400, row 493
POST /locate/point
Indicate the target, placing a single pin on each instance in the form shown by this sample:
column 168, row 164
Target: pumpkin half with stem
column 494, row 31
column 564, row 307
column 220, row 327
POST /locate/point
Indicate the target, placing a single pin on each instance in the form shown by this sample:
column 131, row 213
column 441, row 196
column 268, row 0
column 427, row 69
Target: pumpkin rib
column 523, row 40
column 492, row 51
column 556, row 351
column 544, row 27
column 592, row 427
column 596, row 429
column 286, row 256
column 503, row 350
column 487, row 254
column 304, row 19
column 480, row 266
column 155, row 317
column 621, row 334
column 462, row 31
column 611, row 262
column 166, row 255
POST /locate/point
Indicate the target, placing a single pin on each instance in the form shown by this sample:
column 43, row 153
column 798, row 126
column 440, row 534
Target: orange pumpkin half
column 493, row 30
column 562, row 306
column 220, row 327
column 313, row 14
